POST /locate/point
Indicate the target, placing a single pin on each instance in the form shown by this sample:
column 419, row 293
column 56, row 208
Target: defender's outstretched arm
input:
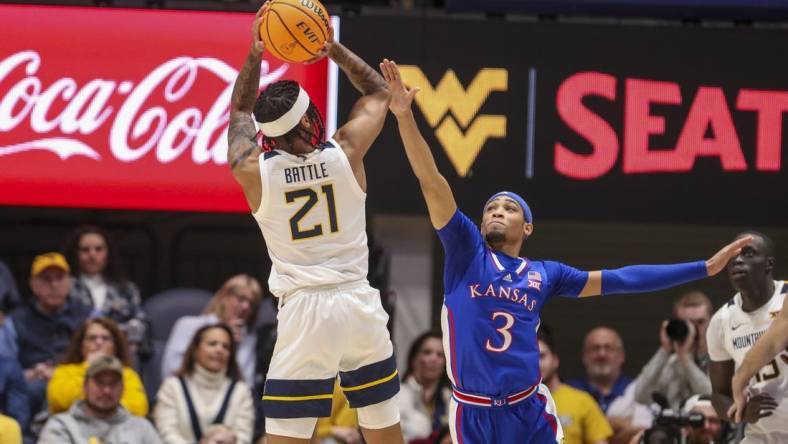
column 642, row 278
column 440, row 200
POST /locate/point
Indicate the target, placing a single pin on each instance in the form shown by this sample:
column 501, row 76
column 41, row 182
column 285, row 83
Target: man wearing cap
column 99, row 418
column 493, row 297
column 713, row 429
column 40, row 330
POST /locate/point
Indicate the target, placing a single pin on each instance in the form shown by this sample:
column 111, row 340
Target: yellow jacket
column 66, row 387
column 341, row 414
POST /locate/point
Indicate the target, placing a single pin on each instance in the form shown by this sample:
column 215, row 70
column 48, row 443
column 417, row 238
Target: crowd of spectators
column 71, row 355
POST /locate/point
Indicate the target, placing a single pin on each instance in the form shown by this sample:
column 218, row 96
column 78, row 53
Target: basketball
column 294, row 30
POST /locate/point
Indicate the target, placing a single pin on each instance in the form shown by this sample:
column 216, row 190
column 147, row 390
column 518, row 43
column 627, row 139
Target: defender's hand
column 401, row 97
column 728, row 252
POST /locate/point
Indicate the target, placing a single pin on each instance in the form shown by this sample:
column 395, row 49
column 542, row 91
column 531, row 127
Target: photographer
column 696, row 423
column 714, row 429
column 678, row 369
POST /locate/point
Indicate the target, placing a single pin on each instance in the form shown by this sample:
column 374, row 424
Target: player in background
column 772, row 343
column 308, row 197
column 493, row 298
column 734, row 330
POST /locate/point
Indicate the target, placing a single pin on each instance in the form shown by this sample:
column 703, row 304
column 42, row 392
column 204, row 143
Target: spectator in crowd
column 10, row 432
column 581, row 418
column 13, row 394
column 208, row 389
column 342, row 426
column 425, row 390
column 678, row 369
column 97, row 337
column 265, row 335
column 714, row 429
column 99, row 282
column 9, row 294
column 38, row 332
column 603, row 357
column 99, row 418
column 218, row 434
column 235, row 304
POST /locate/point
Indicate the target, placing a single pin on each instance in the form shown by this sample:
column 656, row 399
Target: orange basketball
column 294, row 30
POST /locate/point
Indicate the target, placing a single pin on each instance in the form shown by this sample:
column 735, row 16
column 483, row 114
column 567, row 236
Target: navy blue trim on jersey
column 270, row 154
column 298, row 398
column 371, row 383
column 326, row 144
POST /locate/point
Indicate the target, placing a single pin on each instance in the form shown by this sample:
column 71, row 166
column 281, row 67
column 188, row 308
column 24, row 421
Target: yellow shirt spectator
column 343, row 423
column 9, row 431
column 67, row 381
column 581, row 418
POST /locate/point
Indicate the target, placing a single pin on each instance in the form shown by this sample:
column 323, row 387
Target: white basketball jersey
column 313, row 219
column 731, row 334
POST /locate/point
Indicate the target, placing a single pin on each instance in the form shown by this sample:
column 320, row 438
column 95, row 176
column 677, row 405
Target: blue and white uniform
column 330, row 320
column 490, row 318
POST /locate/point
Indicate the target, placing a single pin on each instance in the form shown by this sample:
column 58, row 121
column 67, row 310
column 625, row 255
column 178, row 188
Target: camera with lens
column 668, row 423
column 677, row 330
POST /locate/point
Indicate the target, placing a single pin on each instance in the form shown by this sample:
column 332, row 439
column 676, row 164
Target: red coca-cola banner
column 112, row 108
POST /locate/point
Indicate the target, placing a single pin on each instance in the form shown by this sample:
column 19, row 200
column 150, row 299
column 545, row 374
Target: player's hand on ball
column 257, row 43
column 401, row 97
column 329, row 43
column 728, row 252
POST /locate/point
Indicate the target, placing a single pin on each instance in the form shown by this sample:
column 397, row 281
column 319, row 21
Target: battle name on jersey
column 511, row 294
column 306, row 173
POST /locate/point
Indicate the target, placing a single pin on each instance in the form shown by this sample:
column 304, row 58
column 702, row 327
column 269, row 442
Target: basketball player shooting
column 492, row 298
column 307, row 195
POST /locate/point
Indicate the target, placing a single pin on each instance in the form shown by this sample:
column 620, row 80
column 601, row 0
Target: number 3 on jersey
column 311, row 199
column 504, row 331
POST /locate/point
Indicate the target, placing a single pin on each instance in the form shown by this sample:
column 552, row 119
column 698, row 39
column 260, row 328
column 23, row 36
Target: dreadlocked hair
column 274, row 102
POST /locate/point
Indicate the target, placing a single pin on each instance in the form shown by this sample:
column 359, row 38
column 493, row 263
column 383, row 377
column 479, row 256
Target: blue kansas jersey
column 491, row 311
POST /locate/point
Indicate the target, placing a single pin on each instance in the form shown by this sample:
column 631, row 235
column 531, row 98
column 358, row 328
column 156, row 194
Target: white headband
column 290, row 119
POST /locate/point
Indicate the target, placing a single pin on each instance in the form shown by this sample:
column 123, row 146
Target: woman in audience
column 99, row 283
column 96, row 337
column 424, row 395
column 208, row 389
column 235, row 304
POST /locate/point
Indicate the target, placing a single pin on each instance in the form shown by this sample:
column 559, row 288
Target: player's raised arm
column 242, row 148
column 765, row 349
column 440, row 200
column 368, row 114
column 643, row 278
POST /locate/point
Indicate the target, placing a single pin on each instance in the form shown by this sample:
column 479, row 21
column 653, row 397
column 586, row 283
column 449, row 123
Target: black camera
column 668, row 423
column 677, row 330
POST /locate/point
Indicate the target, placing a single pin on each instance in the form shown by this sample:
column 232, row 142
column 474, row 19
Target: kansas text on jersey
column 491, row 311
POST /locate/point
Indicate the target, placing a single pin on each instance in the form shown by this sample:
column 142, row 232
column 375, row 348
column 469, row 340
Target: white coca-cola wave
column 139, row 125
column 64, row 148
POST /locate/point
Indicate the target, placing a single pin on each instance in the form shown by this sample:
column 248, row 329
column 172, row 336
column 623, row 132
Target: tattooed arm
column 243, row 151
column 368, row 113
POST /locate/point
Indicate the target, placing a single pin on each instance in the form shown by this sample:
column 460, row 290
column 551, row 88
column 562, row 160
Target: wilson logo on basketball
column 463, row 142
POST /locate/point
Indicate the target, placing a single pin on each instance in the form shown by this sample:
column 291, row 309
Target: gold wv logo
column 462, row 147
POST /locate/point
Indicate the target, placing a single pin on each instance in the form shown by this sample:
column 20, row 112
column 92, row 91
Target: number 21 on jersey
column 312, row 197
column 504, row 331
